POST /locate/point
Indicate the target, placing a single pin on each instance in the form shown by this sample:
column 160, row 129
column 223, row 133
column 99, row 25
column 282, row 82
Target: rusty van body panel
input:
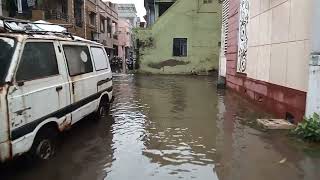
column 47, row 94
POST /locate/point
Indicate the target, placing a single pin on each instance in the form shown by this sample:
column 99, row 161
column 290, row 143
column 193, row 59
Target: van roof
column 48, row 36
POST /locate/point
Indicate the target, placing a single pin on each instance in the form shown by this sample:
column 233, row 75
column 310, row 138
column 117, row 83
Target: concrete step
column 279, row 124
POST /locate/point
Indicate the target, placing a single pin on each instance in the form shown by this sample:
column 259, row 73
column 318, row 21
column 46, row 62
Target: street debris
column 283, row 161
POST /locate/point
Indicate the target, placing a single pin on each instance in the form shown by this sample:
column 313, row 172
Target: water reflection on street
column 174, row 127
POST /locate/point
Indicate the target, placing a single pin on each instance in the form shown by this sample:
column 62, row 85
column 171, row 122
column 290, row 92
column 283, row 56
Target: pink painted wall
column 124, row 36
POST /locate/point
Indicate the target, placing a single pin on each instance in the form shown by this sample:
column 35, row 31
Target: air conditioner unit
column 315, row 60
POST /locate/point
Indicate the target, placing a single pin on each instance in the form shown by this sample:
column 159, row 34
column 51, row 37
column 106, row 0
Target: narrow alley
column 174, row 127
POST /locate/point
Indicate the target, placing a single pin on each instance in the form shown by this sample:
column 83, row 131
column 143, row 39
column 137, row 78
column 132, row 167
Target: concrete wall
column 279, row 53
column 200, row 23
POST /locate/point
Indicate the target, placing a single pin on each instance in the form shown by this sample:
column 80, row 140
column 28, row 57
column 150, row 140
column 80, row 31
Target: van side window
column 78, row 59
column 38, row 61
column 100, row 59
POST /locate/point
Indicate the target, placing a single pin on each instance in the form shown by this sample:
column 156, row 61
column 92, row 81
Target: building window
column 38, row 61
column 78, row 59
column 180, row 47
column 207, row 1
column 92, row 18
column 102, row 25
column 78, row 12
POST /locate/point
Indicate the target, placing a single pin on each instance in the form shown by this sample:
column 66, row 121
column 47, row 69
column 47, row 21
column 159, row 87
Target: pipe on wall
column 313, row 97
column 85, row 19
column 0, row 7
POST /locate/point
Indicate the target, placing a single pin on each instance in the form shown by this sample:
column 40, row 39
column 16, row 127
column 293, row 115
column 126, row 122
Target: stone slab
column 280, row 124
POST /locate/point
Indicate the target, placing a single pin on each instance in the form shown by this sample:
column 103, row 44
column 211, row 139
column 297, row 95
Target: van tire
column 103, row 109
column 44, row 145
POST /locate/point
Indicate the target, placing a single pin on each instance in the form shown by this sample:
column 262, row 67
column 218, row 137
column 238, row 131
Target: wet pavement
column 174, row 127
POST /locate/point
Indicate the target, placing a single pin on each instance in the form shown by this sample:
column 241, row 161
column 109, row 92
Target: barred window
column 180, row 47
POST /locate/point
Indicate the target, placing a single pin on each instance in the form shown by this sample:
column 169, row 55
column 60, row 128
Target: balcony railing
column 56, row 15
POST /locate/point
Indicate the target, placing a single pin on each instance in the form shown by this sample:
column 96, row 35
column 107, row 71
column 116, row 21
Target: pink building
column 125, row 39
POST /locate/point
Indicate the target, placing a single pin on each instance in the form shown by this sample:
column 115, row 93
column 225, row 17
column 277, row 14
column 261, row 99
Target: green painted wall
column 200, row 23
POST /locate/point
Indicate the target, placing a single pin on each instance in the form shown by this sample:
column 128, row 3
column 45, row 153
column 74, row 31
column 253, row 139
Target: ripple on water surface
column 160, row 133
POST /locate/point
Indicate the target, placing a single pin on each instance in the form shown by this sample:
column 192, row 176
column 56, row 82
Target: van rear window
column 100, row 59
column 7, row 47
column 78, row 59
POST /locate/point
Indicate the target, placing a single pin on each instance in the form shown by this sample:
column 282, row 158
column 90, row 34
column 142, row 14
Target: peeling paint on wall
column 168, row 63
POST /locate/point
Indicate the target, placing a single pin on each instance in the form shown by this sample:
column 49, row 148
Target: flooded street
column 169, row 128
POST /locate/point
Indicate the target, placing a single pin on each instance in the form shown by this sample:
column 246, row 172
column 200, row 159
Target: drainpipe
column 0, row 7
column 154, row 10
column 85, row 19
column 198, row 6
column 313, row 97
column 19, row 4
column 97, row 22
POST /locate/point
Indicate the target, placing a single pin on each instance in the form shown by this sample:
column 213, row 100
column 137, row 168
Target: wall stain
column 169, row 62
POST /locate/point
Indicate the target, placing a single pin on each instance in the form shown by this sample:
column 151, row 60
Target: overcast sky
column 139, row 5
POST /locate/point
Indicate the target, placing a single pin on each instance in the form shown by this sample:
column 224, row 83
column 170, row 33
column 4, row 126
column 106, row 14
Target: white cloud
column 139, row 5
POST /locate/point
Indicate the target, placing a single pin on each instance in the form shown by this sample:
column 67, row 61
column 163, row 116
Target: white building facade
column 129, row 12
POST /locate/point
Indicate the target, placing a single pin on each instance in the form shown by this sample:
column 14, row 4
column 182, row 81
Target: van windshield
column 7, row 47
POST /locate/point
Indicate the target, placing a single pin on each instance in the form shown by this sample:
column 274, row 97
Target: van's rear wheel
column 103, row 110
column 44, row 146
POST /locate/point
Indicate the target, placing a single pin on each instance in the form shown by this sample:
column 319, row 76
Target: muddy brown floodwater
column 174, row 127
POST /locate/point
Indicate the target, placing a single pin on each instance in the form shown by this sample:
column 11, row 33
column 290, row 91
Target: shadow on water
column 174, row 127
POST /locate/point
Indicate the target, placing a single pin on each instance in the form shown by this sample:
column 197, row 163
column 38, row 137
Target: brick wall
column 232, row 47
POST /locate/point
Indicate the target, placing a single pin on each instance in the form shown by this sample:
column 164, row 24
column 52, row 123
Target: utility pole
column 124, row 62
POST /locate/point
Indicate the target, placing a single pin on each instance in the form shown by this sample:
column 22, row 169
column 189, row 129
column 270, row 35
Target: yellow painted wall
column 200, row 23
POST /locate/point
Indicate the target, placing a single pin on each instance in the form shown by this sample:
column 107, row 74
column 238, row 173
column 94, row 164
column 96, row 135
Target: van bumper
column 4, row 151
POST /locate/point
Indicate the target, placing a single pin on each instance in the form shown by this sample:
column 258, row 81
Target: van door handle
column 59, row 88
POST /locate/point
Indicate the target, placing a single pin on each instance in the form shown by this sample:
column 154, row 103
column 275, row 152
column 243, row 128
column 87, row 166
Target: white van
column 48, row 82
